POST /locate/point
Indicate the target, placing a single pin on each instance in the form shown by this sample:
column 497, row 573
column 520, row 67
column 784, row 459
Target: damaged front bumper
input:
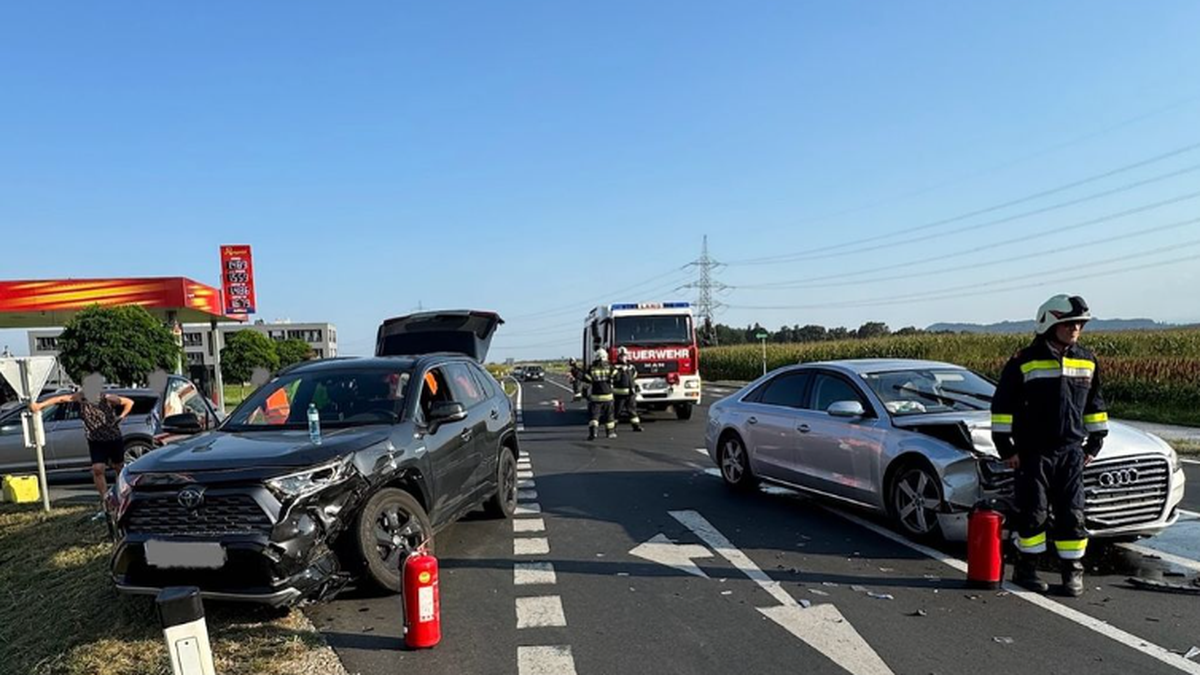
column 273, row 553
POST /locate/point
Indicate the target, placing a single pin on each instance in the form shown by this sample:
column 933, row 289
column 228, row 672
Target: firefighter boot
column 1025, row 574
column 638, row 427
column 591, row 433
column 1072, row 578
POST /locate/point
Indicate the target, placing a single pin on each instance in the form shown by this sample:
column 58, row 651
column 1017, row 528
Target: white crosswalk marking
column 527, row 495
column 531, row 546
column 529, row 525
column 545, row 661
column 534, row 574
column 532, row 508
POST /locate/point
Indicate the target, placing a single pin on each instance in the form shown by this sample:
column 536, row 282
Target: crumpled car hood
column 1123, row 439
column 219, row 450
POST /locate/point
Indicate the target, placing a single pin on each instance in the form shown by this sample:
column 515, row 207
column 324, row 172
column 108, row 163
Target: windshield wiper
column 972, row 394
column 934, row 397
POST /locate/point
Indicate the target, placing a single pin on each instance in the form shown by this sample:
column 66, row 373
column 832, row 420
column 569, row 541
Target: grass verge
column 61, row 615
column 1190, row 448
column 1159, row 414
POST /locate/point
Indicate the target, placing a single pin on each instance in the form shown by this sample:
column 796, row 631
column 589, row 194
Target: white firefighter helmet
column 600, row 355
column 1061, row 309
column 621, row 351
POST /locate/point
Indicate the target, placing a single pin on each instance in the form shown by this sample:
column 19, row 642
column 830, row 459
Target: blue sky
column 538, row 157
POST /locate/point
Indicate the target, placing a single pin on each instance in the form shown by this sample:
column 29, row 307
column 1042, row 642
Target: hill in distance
column 1095, row 325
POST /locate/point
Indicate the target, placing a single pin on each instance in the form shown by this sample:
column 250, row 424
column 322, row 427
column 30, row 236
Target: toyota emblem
column 191, row 498
column 1118, row 478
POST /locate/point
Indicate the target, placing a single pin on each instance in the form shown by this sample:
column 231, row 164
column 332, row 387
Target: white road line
column 529, row 525
column 1192, row 514
column 525, row 483
column 530, row 509
column 545, row 611
column 531, row 546
column 526, row 495
column 524, row 474
column 524, row 465
column 534, row 574
column 545, row 661
column 1180, row 561
column 703, row 451
column 1189, row 461
column 562, row 386
column 1102, row 627
column 725, row 548
column 524, row 454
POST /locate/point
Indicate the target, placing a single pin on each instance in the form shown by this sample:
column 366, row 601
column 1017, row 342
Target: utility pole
column 706, row 286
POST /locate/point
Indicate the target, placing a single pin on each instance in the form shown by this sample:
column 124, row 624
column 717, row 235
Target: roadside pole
column 763, row 338
column 27, row 375
column 39, row 435
column 214, row 344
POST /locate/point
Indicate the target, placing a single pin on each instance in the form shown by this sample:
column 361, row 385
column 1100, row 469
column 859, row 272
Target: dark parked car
column 255, row 510
column 66, row 445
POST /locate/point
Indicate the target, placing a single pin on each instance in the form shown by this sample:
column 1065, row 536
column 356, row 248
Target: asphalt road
column 721, row 582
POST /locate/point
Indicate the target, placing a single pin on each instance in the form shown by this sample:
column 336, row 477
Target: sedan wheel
column 916, row 501
column 735, row 464
column 135, row 449
column 391, row 526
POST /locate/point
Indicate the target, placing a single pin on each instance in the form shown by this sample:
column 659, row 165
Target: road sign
column 762, row 336
column 28, row 385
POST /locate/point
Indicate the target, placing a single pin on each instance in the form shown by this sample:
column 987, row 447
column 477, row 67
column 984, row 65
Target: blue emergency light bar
column 651, row 305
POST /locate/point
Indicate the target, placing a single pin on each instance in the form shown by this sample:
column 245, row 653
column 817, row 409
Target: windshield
column 920, row 391
column 342, row 398
column 653, row 329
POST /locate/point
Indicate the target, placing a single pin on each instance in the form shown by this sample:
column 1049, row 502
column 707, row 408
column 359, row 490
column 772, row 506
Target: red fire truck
column 661, row 340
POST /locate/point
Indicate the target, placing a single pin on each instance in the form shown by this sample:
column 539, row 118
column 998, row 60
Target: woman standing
column 102, row 415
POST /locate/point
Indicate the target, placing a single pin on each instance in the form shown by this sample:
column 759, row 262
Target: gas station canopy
column 47, row 303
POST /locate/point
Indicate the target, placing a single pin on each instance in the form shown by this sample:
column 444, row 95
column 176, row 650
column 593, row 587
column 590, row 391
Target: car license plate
column 186, row 554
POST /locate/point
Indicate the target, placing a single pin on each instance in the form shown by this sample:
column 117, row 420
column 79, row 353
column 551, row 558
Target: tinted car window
column 341, row 397
column 466, row 388
column 786, row 390
column 485, row 381
column 143, row 405
column 829, row 389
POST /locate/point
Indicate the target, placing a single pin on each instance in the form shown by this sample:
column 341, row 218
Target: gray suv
column 66, row 445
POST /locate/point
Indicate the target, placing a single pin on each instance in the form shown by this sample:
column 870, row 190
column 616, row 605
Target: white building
column 198, row 351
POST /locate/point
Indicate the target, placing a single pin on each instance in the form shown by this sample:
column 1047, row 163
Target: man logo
column 191, row 498
column 1119, row 478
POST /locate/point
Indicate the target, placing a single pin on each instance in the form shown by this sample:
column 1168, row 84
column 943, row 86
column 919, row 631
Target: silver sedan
column 912, row 439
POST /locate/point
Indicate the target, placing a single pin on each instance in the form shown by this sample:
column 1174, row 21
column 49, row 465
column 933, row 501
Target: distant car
column 533, row 374
column 517, row 372
column 66, row 443
column 912, row 439
column 255, row 510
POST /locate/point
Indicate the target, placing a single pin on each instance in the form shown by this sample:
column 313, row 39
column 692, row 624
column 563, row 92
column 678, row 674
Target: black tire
column 683, row 411
column 733, row 460
column 135, row 449
column 391, row 525
column 503, row 503
column 914, row 500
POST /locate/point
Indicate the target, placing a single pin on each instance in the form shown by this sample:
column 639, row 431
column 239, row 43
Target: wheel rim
column 733, row 461
column 133, row 452
column 917, row 501
column 509, row 481
column 397, row 534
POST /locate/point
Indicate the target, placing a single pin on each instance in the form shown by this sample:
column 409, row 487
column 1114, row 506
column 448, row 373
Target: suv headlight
column 1173, row 458
column 691, row 384
column 308, row 481
column 123, row 485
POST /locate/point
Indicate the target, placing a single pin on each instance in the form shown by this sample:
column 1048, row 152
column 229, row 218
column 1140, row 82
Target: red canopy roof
column 37, row 304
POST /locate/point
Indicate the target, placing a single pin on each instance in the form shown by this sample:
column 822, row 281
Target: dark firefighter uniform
column 598, row 379
column 1048, row 410
column 576, row 379
column 625, row 392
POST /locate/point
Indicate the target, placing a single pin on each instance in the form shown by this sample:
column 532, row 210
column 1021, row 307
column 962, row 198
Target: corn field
column 1146, row 369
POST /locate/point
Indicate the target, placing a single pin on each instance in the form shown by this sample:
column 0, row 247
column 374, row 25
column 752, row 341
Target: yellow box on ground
column 21, row 489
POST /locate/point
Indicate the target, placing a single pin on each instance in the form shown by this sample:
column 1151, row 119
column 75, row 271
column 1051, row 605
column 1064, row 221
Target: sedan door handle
column 803, row 428
column 752, row 420
column 495, row 414
column 466, row 434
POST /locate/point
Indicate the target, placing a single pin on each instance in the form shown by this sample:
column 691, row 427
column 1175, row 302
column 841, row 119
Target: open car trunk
column 462, row 331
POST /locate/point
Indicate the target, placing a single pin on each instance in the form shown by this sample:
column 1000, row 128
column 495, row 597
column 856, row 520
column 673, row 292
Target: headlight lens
column 312, row 480
column 692, row 384
column 1173, row 457
column 123, row 486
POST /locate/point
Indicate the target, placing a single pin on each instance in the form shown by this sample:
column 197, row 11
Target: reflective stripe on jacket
column 1045, row 402
column 599, row 378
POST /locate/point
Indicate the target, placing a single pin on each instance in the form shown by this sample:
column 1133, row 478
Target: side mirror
column 443, row 412
column 846, row 409
column 183, row 423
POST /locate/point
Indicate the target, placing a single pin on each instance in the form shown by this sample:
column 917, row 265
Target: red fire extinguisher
column 422, row 604
column 985, row 558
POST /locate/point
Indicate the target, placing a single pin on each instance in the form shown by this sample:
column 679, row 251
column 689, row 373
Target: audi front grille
column 1126, row 491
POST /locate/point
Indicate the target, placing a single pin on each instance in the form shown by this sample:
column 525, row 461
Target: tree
column 244, row 351
column 292, row 351
column 124, row 344
column 811, row 333
column 839, row 333
column 872, row 329
column 909, row 330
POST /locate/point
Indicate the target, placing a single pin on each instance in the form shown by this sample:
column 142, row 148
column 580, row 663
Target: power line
column 1000, row 244
column 575, row 306
column 997, row 286
column 706, row 306
column 817, row 254
column 975, row 265
column 999, row 167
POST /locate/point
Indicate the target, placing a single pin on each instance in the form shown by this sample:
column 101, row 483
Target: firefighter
column 576, row 378
column 598, row 378
column 1048, row 423
column 625, row 389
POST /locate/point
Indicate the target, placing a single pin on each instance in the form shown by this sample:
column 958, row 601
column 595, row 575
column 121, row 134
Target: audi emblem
column 191, row 498
column 1118, row 478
